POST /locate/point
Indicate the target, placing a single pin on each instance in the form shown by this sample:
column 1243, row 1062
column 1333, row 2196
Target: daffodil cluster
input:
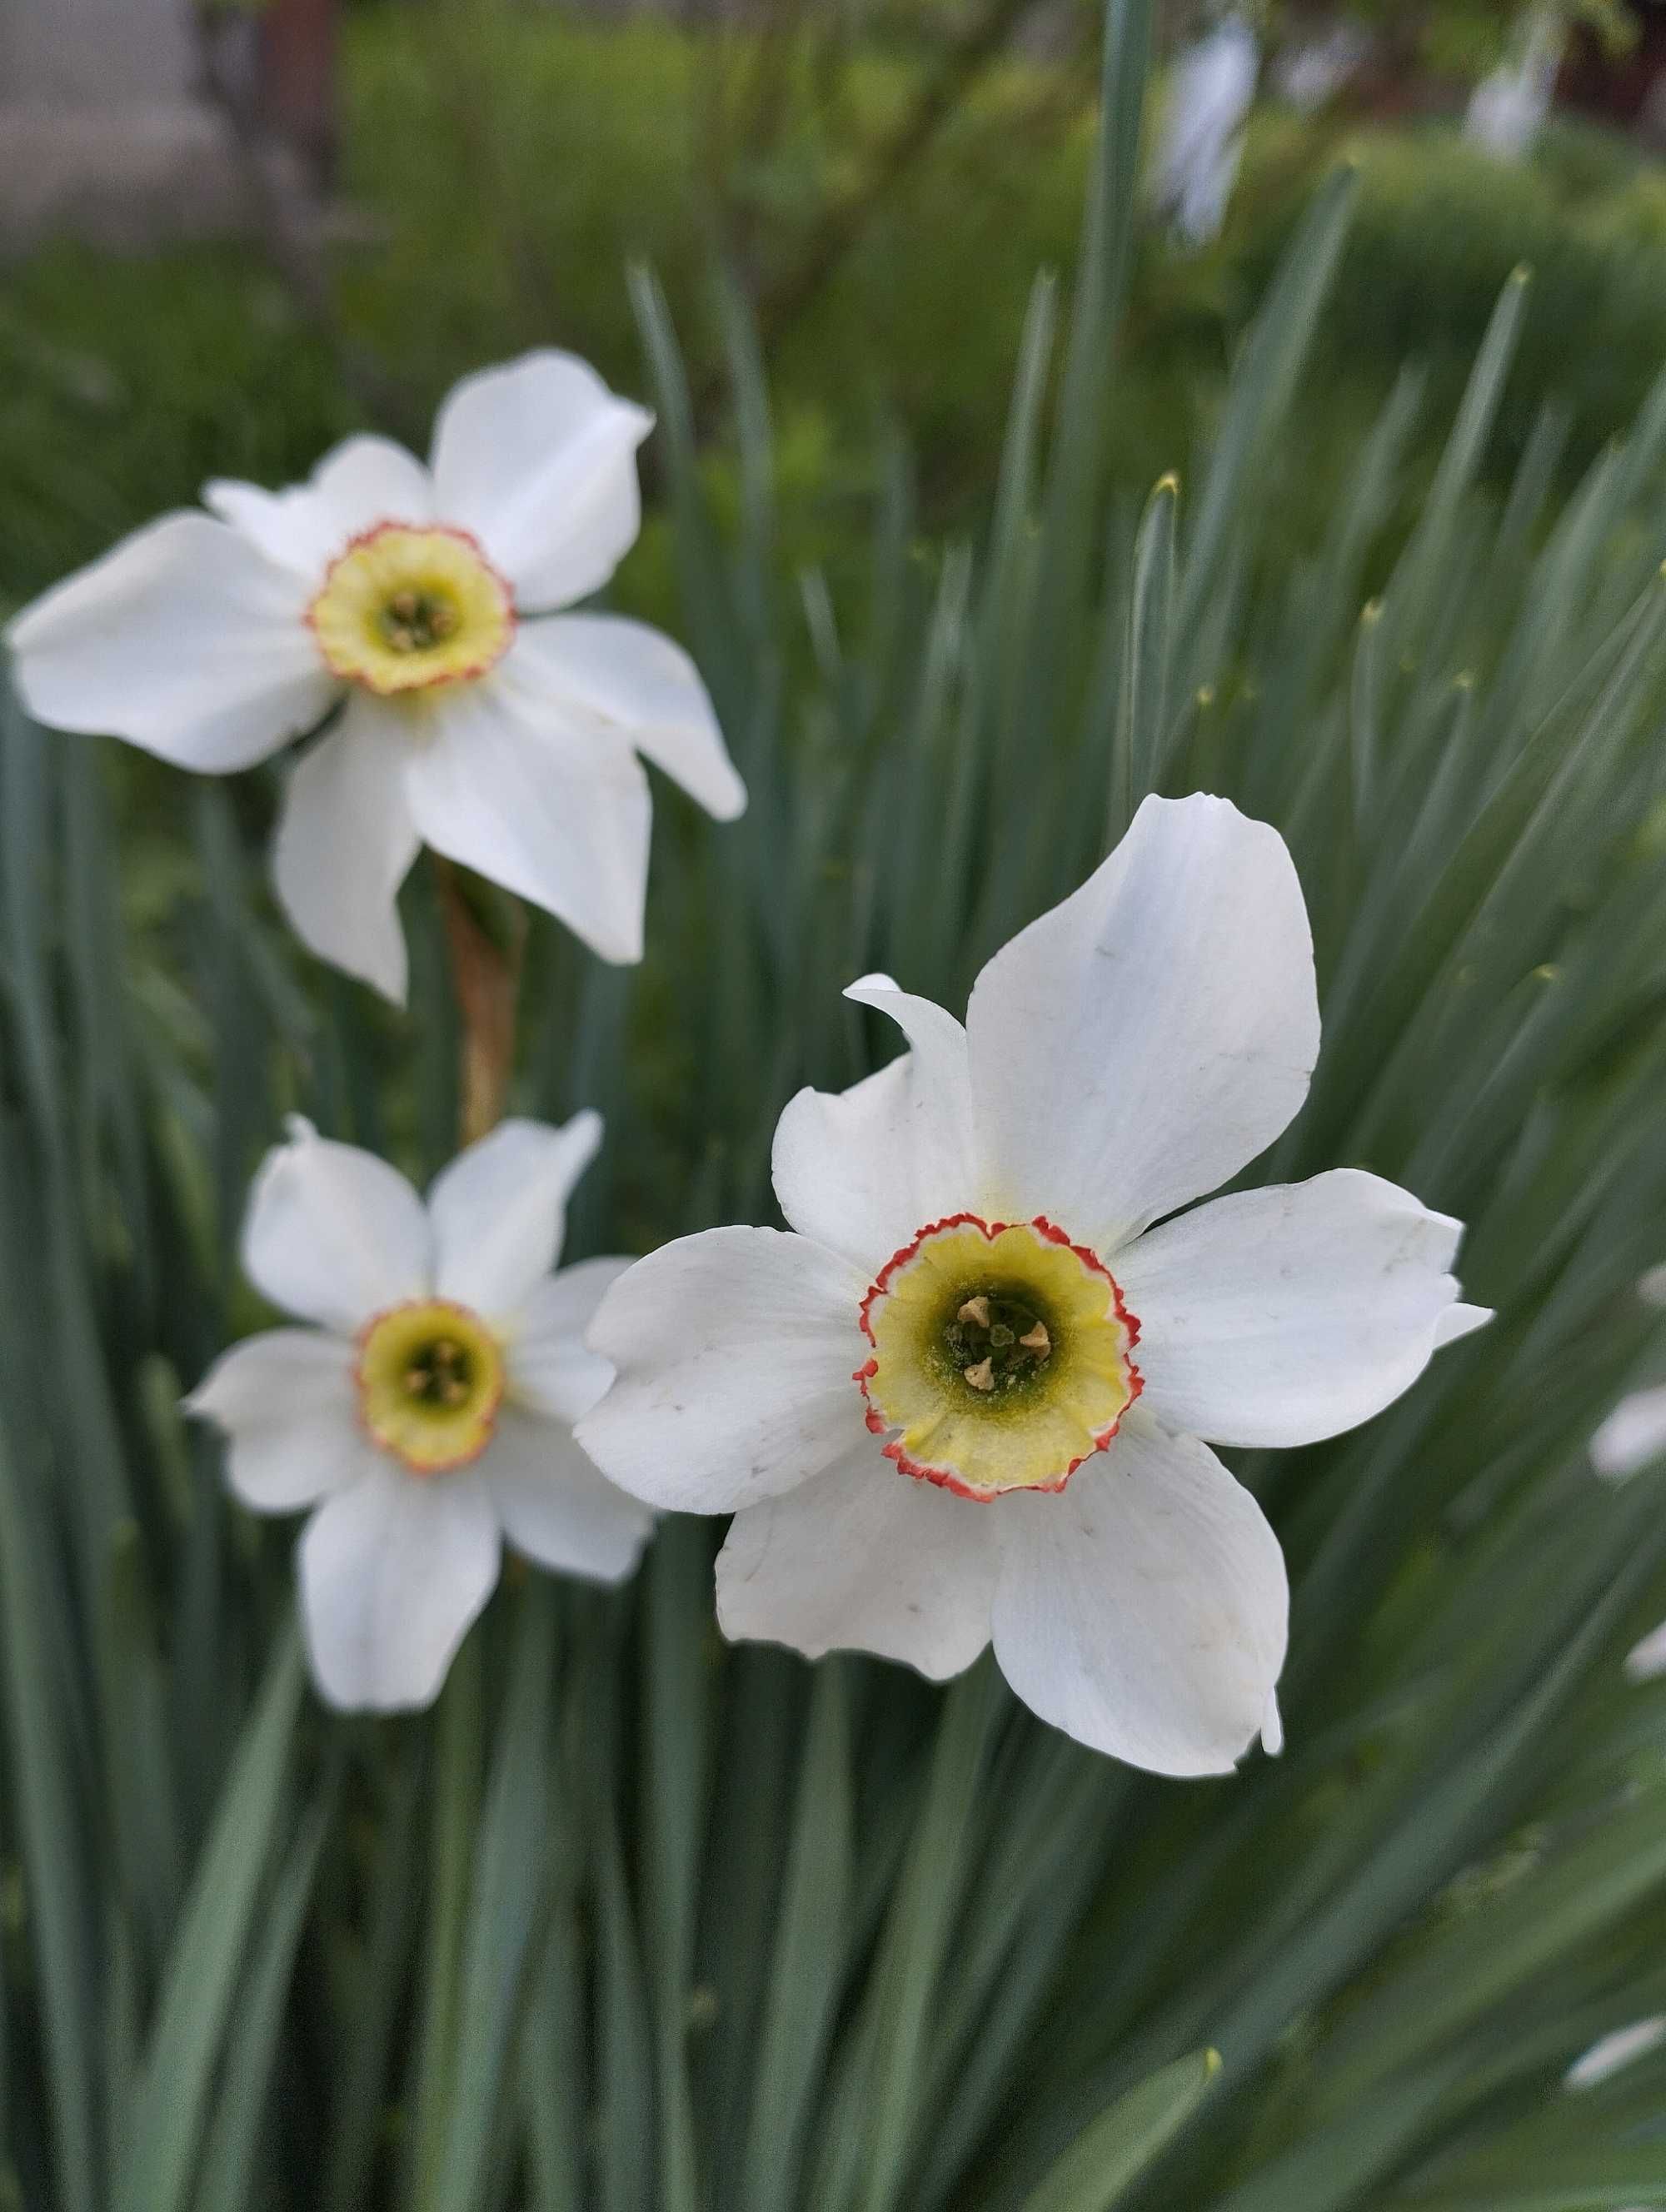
column 972, row 1395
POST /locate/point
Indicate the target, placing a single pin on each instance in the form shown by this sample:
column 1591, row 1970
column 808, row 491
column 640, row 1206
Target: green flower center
column 994, row 1341
column 418, row 621
column 441, row 1373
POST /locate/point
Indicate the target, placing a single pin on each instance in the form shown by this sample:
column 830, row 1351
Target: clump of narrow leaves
column 636, row 1920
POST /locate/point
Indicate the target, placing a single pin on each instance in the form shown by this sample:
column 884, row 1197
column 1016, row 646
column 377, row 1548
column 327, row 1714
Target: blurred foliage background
column 503, row 165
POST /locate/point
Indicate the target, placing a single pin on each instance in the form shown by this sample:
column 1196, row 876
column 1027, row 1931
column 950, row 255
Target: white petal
column 1458, row 1322
column 1144, row 1610
column 734, row 1352
column 864, row 1558
column 184, row 640
column 864, row 1170
column 345, row 842
column 551, row 1370
column 1646, row 1660
column 501, row 783
column 538, row 459
column 357, row 484
column 392, row 1572
column 635, row 680
column 333, row 1233
column 1282, row 1315
column 499, row 1211
column 557, row 1506
column 1632, row 1435
column 1272, row 1728
column 1141, row 1043
column 287, row 1404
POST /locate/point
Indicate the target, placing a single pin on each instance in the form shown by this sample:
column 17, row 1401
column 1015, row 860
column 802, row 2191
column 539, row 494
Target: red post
column 298, row 48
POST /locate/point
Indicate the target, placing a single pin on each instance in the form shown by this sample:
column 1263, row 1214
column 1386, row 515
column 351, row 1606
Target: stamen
column 975, row 1312
column 983, row 1377
column 1038, row 1340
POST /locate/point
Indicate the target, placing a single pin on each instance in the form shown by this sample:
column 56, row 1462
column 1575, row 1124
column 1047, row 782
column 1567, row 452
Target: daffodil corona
column 428, row 1413
column 968, row 1397
column 419, row 607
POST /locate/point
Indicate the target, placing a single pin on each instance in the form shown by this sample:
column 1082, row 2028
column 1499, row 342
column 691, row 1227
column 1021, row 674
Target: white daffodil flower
column 421, row 600
column 968, row 1398
column 429, row 1411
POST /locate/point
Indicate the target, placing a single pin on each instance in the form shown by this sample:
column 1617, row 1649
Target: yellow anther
column 983, row 1377
column 976, row 1311
column 1036, row 1340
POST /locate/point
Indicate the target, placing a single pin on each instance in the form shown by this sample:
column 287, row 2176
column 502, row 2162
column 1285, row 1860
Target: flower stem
column 486, row 978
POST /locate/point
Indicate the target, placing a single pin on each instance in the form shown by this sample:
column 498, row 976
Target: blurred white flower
column 1196, row 161
column 1610, row 2053
column 965, row 1399
column 473, row 717
column 429, row 1410
column 1632, row 1435
column 1507, row 109
column 1311, row 74
column 1646, row 1661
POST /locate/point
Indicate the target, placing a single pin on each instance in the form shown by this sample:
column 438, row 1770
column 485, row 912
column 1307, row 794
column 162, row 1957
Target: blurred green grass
column 503, row 170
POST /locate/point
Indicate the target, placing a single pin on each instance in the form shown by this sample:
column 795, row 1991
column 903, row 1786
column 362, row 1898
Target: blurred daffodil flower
column 421, row 603
column 427, row 1411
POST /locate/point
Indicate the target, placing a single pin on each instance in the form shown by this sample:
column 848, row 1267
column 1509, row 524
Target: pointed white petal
column 864, row 1170
column 538, row 459
column 345, row 843
column 184, row 640
column 555, row 1504
column 1282, row 1315
column 1143, row 1042
column 359, row 483
column 551, row 1370
column 1459, row 1321
column 500, row 782
column 286, row 1403
column 863, row 1558
column 634, row 680
column 1632, row 1435
column 393, row 1572
column 734, row 1352
column 1144, row 1610
column 499, row 1211
column 1272, row 1726
column 333, row 1233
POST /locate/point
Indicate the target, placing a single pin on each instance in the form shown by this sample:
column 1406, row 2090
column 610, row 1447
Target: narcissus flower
column 428, row 1413
column 421, row 602
column 972, row 1395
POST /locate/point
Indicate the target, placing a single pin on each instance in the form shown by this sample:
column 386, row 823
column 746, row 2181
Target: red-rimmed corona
column 429, row 1376
column 404, row 607
column 1003, row 1356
